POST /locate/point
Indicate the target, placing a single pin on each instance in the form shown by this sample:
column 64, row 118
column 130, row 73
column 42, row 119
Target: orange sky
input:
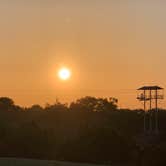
column 112, row 48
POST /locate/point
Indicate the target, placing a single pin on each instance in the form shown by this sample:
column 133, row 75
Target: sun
column 64, row 74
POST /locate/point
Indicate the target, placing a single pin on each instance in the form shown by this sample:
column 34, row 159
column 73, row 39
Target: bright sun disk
column 64, row 74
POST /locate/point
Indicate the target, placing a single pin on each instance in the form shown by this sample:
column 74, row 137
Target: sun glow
column 64, row 74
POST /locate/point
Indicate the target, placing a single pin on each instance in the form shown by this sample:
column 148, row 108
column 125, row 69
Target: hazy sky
column 112, row 47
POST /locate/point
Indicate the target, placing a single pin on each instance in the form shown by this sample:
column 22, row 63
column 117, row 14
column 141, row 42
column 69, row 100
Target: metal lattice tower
column 148, row 94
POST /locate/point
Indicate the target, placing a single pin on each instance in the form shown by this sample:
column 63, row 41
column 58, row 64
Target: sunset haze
column 112, row 48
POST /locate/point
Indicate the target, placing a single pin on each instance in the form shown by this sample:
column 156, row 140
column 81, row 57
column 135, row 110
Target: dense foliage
column 88, row 130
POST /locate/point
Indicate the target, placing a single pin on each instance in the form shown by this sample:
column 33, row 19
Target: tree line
column 90, row 130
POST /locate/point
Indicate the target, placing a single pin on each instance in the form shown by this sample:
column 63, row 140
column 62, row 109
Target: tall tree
column 89, row 103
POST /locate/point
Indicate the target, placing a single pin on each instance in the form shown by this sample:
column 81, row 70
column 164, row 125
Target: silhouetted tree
column 35, row 108
column 94, row 104
column 6, row 104
column 56, row 107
